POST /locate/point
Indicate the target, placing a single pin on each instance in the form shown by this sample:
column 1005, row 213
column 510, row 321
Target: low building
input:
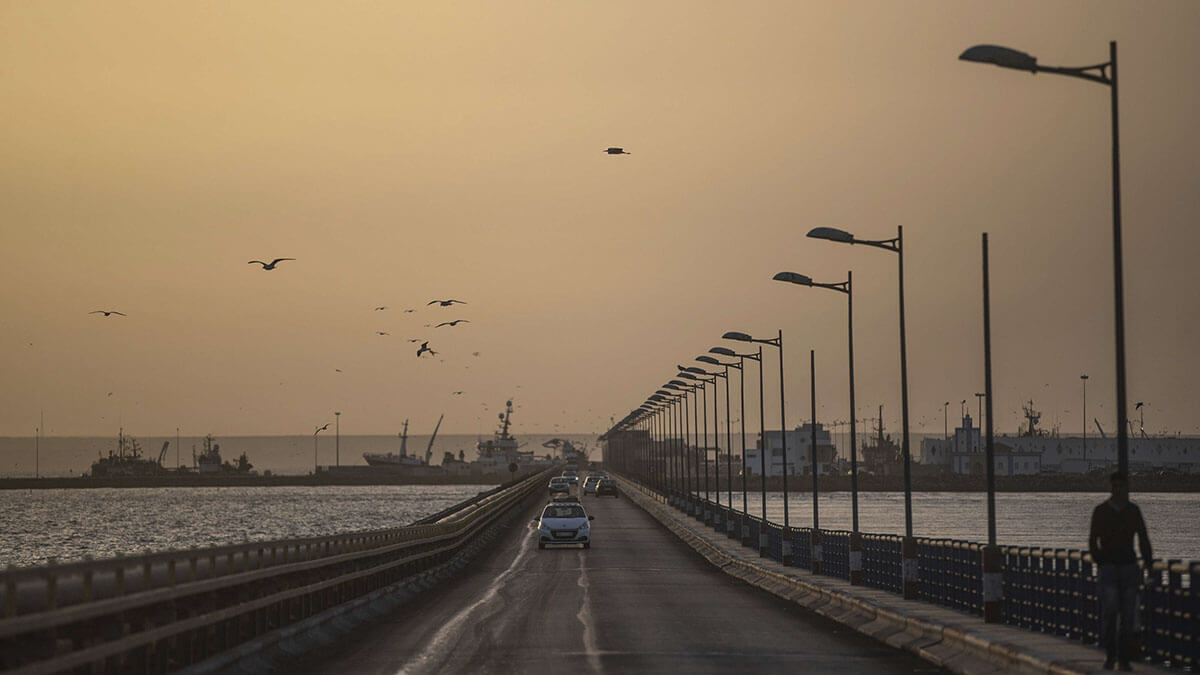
column 799, row 457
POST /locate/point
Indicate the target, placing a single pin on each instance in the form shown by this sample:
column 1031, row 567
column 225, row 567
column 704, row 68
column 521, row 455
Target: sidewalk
column 953, row 640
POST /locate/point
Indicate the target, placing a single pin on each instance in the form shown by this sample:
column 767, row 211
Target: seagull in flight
column 380, row 308
column 457, row 393
column 382, row 332
column 107, row 312
column 409, row 311
column 414, row 339
column 445, row 303
column 271, row 265
column 617, row 151
column 425, row 348
column 320, row 429
column 452, row 323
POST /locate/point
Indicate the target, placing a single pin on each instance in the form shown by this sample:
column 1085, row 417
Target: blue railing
column 883, row 564
column 835, row 553
column 1051, row 591
column 950, row 572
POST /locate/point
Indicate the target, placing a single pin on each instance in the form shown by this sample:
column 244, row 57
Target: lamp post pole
column 895, row 245
column 741, row 368
column 1084, row 379
column 337, row 438
column 847, row 288
column 1106, row 74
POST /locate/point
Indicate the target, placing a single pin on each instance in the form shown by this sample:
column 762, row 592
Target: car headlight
column 543, row 528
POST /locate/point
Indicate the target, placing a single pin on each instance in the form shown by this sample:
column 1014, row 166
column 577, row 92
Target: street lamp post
column 895, row 245
column 1084, row 379
column 725, row 351
column 693, row 371
column 315, row 432
column 337, row 438
column 737, row 365
column 1106, row 74
column 847, row 288
column 777, row 342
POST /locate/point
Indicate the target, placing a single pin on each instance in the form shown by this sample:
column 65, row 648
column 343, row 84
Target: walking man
column 1114, row 523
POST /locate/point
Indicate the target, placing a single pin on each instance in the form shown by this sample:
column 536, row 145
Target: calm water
column 1045, row 519
column 36, row 525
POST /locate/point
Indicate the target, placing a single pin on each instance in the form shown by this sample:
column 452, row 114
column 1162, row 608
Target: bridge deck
column 638, row 601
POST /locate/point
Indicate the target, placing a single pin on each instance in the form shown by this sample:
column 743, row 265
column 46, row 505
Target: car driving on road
column 606, row 486
column 589, row 484
column 559, row 485
column 564, row 523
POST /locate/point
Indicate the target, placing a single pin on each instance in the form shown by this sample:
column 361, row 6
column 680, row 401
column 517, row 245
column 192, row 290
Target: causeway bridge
column 672, row 582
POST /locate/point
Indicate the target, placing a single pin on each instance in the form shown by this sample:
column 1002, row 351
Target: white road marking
column 585, row 618
column 440, row 644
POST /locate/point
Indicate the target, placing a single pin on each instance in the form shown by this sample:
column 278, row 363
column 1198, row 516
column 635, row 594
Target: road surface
column 638, row 601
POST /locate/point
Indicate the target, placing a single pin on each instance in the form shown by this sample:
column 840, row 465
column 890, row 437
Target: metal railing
column 1051, row 591
column 159, row 612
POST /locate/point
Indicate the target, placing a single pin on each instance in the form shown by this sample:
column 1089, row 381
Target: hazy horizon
column 405, row 153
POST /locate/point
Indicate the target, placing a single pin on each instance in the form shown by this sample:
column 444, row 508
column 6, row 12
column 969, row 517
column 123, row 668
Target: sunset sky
column 410, row 151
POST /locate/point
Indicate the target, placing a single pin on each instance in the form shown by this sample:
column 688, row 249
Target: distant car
column 606, row 486
column 559, row 485
column 571, row 476
column 589, row 485
column 564, row 523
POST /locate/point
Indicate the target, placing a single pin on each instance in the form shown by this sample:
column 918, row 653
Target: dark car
column 606, row 486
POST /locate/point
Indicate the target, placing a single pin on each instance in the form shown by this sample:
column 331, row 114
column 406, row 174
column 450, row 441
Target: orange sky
column 410, row 151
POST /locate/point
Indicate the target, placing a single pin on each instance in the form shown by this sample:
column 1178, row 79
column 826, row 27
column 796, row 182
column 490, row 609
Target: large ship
column 128, row 460
column 402, row 460
column 497, row 454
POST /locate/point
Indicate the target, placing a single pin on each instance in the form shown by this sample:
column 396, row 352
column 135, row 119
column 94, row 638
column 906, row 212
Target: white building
column 799, row 457
column 1016, row 455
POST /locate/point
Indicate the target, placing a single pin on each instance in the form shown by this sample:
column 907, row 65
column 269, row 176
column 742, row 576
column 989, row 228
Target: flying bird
column 320, row 429
column 380, row 308
column 425, row 348
column 617, row 151
column 271, row 265
column 445, row 303
column 1138, row 406
column 337, row 370
column 474, row 353
column 409, row 311
column 457, row 393
column 108, row 312
column 382, row 332
column 414, row 339
column 452, row 323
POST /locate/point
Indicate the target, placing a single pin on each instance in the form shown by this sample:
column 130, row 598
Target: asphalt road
column 638, row 601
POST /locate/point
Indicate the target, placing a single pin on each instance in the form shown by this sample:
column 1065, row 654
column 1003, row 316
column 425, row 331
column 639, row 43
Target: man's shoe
column 1125, row 666
column 1109, row 664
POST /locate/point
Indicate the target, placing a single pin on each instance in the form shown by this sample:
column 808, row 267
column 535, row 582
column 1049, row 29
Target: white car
column 564, row 523
column 589, row 484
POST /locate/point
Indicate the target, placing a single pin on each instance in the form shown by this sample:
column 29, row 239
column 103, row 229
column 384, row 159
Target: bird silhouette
column 409, row 311
column 457, row 393
column 474, row 353
column 425, row 348
column 382, row 332
column 271, row 265
column 414, row 339
column 320, row 429
column 380, row 308
column 337, row 370
column 452, row 323
column 617, row 151
column 445, row 303
column 108, row 312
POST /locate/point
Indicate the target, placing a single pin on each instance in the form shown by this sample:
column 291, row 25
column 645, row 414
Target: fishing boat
column 403, row 460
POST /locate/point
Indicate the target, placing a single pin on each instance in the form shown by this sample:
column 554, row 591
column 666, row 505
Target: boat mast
column 404, row 440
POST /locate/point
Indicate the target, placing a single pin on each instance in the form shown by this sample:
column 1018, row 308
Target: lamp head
column 740, row 337
column 687, row 376
column 1000, row 56
column 698, row 371
column 723, row 351
column 705, row 358
column 677, row 383
column 793, row 278
column 832, row 234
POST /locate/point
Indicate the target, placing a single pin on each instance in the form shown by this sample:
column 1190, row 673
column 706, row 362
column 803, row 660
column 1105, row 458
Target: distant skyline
column 408, row 153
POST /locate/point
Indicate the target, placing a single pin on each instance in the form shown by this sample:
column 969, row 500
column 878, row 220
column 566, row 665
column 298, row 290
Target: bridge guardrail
column 1050, row 591
column 170, row 620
